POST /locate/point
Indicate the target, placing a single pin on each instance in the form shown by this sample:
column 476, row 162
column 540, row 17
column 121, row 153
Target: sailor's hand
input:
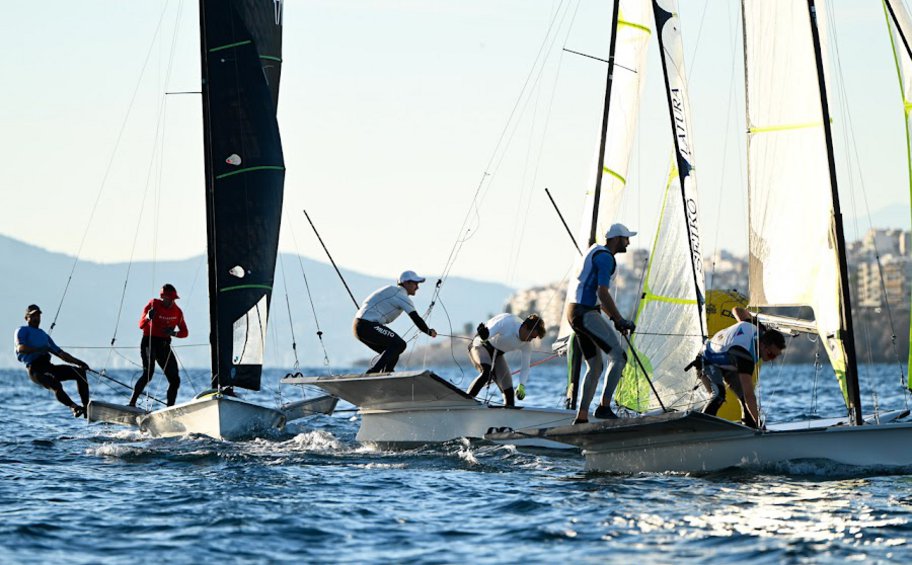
column 82, row 365
column 150, row 314
column 521, row 392
column 432, row 332
column 624, row 326
column 169, row 331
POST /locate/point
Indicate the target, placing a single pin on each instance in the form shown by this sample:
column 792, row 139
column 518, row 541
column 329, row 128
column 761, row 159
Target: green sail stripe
column 230, row 46
column 640, row 27
column 244, row 287
column 668, row 299
column 271, row 58
column 907, row 107
column 250, row 169
column 785, row 127
column 614, row 174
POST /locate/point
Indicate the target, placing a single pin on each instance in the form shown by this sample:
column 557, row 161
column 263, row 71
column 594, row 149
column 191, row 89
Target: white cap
column 618, row 230
column 410, row 276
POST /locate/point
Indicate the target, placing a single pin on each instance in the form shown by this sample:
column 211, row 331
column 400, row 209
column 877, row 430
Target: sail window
column 250, row 336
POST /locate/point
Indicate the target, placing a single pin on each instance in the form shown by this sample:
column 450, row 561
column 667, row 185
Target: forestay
column 671, row 319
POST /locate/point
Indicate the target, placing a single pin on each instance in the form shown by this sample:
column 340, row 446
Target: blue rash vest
column 598, row 268
column 37, row 338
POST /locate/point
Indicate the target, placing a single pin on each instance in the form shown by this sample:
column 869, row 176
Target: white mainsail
column 793, row 254
column 628, row 78
column 900, row 25
column 671, row 320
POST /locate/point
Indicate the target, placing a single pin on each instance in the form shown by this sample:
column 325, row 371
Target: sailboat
column 420, row 407
column 793, row 196
column 241, row 43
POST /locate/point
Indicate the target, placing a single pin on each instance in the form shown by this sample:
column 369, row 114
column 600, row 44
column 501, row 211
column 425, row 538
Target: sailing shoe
column 605, row 413
column 78, row 411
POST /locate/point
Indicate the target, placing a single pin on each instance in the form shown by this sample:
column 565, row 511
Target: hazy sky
column 390, row 113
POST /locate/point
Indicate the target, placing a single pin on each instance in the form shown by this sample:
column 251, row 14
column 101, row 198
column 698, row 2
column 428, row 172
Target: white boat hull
column 693, row 442
column 410, row 408
column 216, row 416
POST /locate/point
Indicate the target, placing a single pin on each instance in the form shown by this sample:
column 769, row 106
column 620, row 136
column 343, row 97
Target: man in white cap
column 382, row 307
column 589, row 296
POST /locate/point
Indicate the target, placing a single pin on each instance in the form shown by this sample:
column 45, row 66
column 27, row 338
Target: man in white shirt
column 382, row 307
column 499, row 335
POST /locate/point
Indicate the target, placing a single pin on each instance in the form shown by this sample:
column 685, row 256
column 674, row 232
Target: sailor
column 161, row 320
column 729, row 358
column 34, row 348
column 382, row 307
column 499, row 335
column 589, row 296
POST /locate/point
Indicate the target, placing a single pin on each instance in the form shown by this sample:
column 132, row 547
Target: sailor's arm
column 608, row 305
column 750, row 399
column 70, row 359
column 419, row 323
column 742, row 314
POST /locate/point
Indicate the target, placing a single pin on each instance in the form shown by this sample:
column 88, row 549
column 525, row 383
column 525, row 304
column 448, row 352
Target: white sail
column 634, row 28
column 793, row 255
column 671, row 320
column 249, row 336
column 900, row 25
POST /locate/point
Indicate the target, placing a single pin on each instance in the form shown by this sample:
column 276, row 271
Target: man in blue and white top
column 34, row 348
column 729, row 358
column 500, row 335
column 588, row 296
column 382, row 307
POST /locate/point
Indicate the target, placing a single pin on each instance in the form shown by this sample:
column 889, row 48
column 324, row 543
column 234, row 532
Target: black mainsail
column 241, row 42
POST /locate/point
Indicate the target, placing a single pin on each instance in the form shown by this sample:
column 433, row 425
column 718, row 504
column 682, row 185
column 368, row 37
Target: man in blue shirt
column 588, row 296
column 34, row 348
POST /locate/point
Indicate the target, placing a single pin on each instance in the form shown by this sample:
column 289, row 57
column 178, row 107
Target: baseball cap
column 410, row 276
column 619, row 230
column 168, row 291
column 32, row 308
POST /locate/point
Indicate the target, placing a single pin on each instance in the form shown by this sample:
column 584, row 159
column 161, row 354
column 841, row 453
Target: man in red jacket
column 161, row 320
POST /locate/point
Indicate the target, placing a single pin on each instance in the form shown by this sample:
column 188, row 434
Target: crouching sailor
column 382, row 307
column 729, row 359
column 499, row 335
column 34, row 348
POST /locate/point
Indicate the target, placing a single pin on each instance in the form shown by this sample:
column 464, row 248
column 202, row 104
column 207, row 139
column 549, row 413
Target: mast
column 210, row 199
column 600, row 163
column 848, row 336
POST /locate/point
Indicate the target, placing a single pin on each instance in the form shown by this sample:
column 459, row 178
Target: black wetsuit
column 44, row 373
column 157, row 350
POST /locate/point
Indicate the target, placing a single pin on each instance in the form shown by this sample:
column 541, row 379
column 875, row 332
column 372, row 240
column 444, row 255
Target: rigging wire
column 108, row 168
column 465, row 230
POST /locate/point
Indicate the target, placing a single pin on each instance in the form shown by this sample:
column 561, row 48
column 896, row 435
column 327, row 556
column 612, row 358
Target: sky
column 391, row 114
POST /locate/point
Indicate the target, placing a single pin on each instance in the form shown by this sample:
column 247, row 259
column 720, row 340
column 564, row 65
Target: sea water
column 72, row 492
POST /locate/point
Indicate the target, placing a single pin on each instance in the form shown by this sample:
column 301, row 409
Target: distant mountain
column 102, row 303
column 893, row 216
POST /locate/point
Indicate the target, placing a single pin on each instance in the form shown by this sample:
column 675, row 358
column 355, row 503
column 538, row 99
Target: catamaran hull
column 693, row 442
column 416, row 425
column 219, row 417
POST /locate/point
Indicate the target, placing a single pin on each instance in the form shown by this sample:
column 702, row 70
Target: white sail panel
column 793, row 259
column 669, row 327
column 671, row 319
column 634, row 28
column 900, row 25
column 249, row 343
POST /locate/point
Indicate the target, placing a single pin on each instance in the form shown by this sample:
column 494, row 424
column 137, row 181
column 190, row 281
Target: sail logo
column 679, row 115
column 693, row 226
column 277, row 7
